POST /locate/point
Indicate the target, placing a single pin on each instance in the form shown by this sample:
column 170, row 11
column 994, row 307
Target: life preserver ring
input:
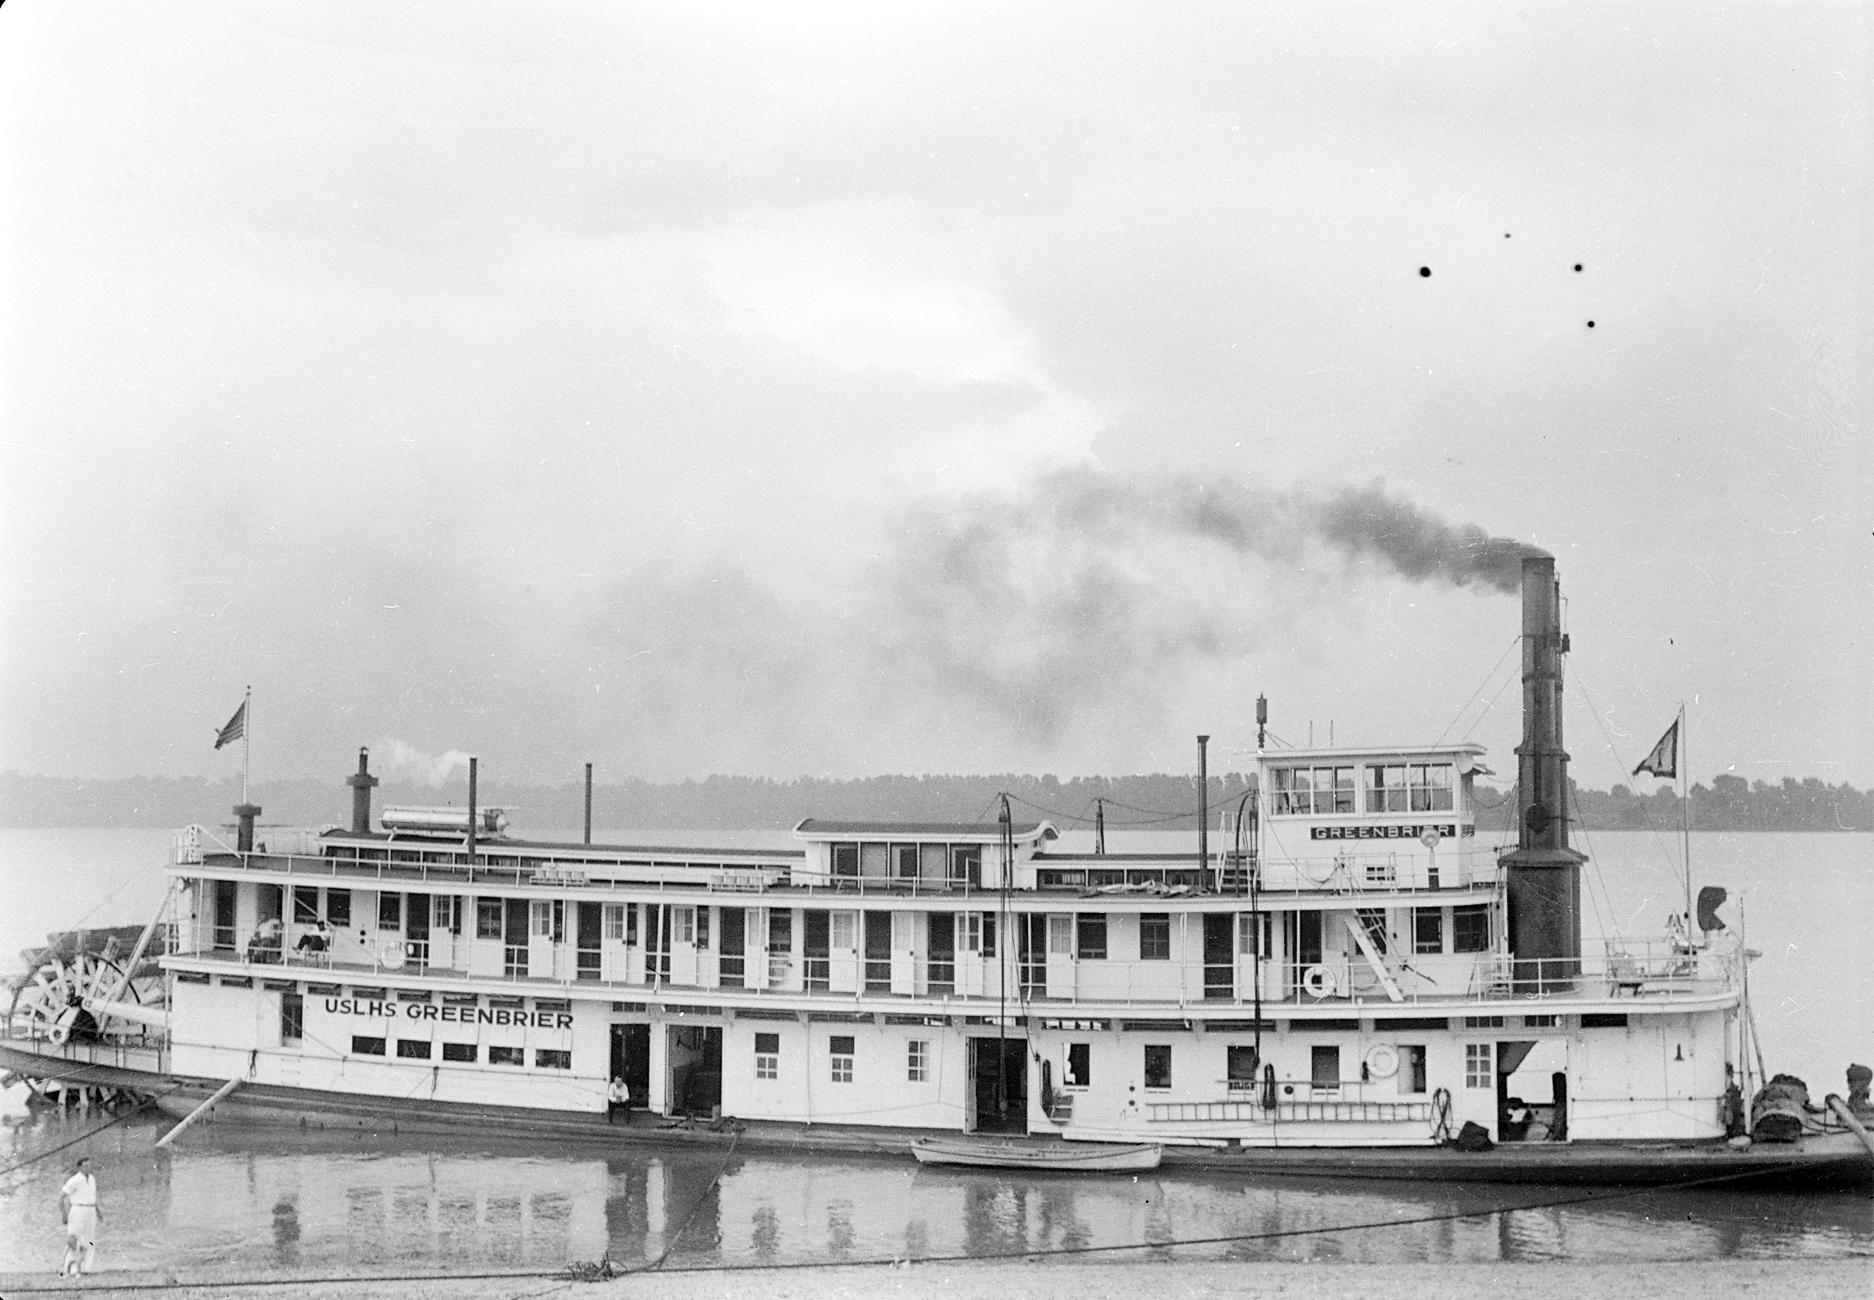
column 390, row 954
column 1382, row 1060
column 1319, row 982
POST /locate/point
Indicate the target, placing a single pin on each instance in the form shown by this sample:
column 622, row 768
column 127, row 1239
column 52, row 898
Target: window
column 845, row 859
column 446, row 911
column 1373, row 923
column 1604, row 1020
column 305, row 905
column 1300, row 790
column 1090, row 936
column 1428, row 929
column 553, row 1058
column 390, row 911
column 767, row 1056
column 506, row 1056
column 338, row 908
column 979, row 933
column 1430, row 785
column 1470, row 928
column 540, row 914
column 702, row 927
column 1541, row 1022
column 1079, row 1065
column 917, row 1060
column 1483, row 1022
column 1412, row 1068
column 1155, row 936
column 841, row 1047
column 844, row 926
column 413, row 1049
column 458, row 1052
column 614, row 922
column 1477, row 1071
column 966, row 865
column 363, row 1046
column 488, row 918
column 1413, row 787
column 683, row 925
column 1324, row 1066
column 1240, row 1066
column 1253, row 939
column 904, row 861
column 1158, row 1065
column 1385, row 790
column 292, row 1017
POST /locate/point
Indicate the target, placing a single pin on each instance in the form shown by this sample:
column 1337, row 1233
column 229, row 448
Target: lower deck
column 1372, row 1075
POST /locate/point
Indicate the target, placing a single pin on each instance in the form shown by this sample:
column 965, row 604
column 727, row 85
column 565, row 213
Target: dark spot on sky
column 1577, row 266
column 1590, row 324
column 1506, row 234
column 1425, row 270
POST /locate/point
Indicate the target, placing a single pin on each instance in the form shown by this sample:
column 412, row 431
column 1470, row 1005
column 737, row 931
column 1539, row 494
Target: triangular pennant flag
column 1664, row 760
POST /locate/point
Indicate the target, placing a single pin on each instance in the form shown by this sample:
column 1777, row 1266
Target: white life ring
column 1382, row 1061
column 390, row 954
column 1319, row 982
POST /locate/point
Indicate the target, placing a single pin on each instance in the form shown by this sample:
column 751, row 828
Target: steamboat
column 1351, row 984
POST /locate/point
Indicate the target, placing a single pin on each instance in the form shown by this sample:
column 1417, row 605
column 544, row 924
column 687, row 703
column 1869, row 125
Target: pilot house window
column 1303, row 790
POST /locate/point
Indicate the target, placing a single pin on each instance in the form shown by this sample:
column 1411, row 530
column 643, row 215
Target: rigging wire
column 1515, row 641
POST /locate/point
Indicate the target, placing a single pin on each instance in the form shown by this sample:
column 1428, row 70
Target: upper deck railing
column 1626, row 973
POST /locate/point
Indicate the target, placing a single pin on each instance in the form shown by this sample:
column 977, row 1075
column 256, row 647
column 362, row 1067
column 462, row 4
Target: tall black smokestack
column 361, row 783
column 1542, row 874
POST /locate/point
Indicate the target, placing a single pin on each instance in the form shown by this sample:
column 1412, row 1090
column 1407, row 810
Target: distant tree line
column 1149, row 802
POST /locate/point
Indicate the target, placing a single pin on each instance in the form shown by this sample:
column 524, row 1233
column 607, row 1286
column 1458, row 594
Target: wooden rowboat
column 1069, row 1157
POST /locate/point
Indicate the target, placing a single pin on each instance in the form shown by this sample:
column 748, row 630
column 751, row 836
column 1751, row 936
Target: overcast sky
column 857, row 388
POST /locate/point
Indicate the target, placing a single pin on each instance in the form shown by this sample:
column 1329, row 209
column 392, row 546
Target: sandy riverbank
column 1812, row 1280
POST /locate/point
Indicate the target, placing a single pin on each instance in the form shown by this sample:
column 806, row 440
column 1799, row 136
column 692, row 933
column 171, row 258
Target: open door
column 694, row 1061
column 998, row 1089
column 631, row 1060
column 1532, row 1091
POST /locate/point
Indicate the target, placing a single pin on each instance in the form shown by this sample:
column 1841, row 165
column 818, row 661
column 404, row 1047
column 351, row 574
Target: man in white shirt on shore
column 79, row 1208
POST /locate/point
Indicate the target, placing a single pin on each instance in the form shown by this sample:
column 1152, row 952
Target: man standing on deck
column 79, row 1208
column 618, row 1100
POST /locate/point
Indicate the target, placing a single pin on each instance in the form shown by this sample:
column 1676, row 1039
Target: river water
column 231, row 1201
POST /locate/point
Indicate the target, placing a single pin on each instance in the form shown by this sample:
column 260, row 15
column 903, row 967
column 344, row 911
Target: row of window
column 419, row 1049
column 955, row 863
column 840, row 1052
column 1241, row 1063
column 1084, row 934
column 1390, row 788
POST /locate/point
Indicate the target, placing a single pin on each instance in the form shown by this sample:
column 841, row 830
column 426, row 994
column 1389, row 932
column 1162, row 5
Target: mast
column 1005, row 942
column 1685, row 817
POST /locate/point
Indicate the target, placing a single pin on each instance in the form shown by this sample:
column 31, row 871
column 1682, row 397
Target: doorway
column 1219, row 956
column 631, row 1060
column 998, row 1073
column 694, row 1060
column 1532, row 1091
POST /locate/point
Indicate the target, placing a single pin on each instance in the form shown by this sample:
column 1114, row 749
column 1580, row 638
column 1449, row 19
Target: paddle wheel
column 72, row 1000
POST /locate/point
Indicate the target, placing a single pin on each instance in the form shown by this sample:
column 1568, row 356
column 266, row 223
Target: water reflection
column 234, row 1201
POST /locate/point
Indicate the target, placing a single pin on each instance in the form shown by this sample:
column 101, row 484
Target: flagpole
column 247, row 737
column 1685, row 813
